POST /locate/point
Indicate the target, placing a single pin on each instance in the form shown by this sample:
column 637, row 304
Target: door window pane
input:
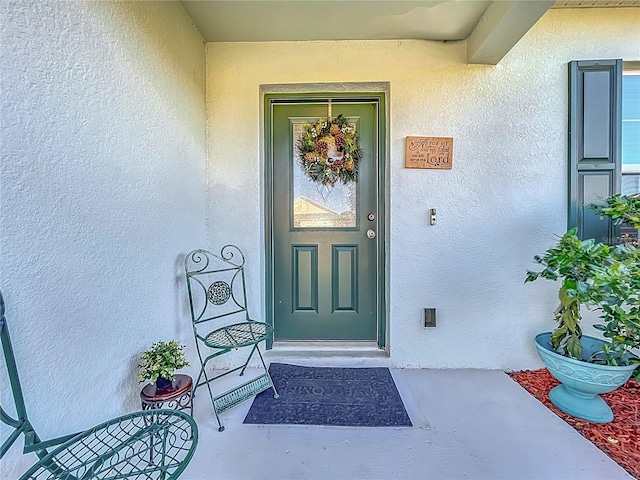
column 320, row 206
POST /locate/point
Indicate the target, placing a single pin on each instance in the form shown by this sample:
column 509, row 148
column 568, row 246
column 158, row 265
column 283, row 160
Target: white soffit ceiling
column 491, row 28
column 302, row 20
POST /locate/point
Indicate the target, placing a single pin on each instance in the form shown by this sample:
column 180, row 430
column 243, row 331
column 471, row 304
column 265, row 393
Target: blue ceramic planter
column 582, row 382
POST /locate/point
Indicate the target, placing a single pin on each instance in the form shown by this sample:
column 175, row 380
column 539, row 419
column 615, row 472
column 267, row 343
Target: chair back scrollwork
column 216, row 286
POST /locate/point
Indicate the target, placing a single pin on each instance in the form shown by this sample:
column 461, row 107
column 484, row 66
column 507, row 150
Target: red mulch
column 619, row 439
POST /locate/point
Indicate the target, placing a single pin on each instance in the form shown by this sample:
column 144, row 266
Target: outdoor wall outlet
column 429, row 317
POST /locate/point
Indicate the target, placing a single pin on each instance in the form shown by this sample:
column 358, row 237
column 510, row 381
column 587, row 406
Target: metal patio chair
column 151, row 444
column 221, row 322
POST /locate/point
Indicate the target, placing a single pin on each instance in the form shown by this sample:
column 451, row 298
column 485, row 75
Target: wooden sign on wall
column 429, row 152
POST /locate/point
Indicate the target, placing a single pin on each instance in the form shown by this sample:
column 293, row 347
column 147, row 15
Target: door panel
column 344, row 283
column 325, row 268
column 305, row 278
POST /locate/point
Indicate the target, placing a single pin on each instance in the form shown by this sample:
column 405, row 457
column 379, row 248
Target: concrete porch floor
column 476, row 424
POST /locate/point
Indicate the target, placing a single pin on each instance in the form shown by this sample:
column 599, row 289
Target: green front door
column 325, row 240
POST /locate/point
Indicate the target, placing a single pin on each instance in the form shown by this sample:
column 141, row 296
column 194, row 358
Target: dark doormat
column 356, row 397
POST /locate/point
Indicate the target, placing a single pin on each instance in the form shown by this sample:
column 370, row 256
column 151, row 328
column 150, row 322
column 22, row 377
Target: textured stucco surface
column 502, row 203
column 103, row 189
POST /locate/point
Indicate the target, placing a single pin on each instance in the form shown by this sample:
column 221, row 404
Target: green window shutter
column 595, row 127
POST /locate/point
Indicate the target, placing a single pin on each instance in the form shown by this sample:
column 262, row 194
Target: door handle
column 371, row 233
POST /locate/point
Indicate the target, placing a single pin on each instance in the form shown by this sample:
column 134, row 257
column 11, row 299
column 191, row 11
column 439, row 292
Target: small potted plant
column 601, row 277
column 159, row 363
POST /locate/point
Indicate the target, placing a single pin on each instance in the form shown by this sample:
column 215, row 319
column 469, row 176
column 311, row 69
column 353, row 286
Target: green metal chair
column 221, row 322
column 151, row 444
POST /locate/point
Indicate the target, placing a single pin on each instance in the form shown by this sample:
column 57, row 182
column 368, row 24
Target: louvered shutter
column 595, row 127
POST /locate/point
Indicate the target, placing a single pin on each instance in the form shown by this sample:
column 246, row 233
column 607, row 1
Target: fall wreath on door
column 329, row 151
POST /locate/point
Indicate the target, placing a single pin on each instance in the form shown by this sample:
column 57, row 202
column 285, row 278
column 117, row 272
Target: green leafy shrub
column 601, row 277
column 621, row 209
